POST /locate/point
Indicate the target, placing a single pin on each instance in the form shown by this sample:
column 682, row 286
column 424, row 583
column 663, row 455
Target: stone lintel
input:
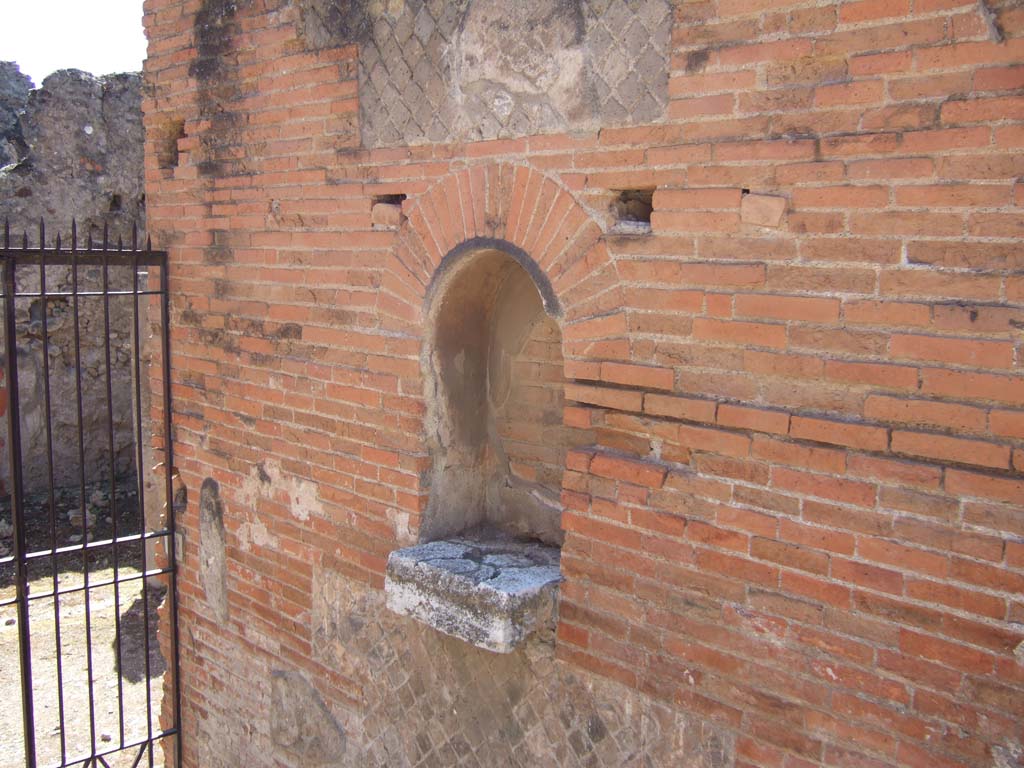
column 492, row 592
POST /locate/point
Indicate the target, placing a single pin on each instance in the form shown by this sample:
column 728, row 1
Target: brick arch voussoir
column 518, row 204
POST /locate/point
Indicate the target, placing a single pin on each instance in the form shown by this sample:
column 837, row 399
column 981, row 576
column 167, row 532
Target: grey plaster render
column 301, row 725
column 213, row 574
column 433, row 71
column 428, row 699
column 486, row 303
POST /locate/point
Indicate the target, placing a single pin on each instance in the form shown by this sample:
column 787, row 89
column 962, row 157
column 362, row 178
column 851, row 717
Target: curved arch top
column 547, row 294
column 514, row 209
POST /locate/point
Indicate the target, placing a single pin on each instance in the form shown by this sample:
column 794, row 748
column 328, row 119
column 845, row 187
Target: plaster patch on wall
column 268, row 481
column 1007, row 755
column 484, row 69
column 254, row 532
column 401, row 521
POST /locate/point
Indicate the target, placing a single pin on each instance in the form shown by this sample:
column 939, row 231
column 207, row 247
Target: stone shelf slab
column 492, row 591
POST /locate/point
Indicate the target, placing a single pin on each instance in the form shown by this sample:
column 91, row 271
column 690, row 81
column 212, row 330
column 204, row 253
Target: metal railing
column 90, row 568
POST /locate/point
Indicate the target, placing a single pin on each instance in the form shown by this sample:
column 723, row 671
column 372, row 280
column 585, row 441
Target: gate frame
column 105, row 256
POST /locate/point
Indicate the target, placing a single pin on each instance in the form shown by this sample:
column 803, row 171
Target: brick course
column 801, row 518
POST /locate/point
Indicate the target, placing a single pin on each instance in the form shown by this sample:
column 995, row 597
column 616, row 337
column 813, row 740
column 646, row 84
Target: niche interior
column 495, row 393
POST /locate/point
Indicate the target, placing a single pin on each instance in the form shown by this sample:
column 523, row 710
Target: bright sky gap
column 97, row 37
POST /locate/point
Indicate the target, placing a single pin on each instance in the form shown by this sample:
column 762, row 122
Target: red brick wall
column 803, row 514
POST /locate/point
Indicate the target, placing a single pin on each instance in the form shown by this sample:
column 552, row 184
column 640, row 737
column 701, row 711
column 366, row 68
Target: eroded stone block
column 493, row 592
column 213, row 574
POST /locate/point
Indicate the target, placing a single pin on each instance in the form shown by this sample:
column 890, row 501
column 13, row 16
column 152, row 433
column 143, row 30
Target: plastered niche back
column 484, row 69
column 495, row 400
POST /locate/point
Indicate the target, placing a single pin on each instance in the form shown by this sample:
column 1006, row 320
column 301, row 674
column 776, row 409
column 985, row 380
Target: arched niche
column 494, row 378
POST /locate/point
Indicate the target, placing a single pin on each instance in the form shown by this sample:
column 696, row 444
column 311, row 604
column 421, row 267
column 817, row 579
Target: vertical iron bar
column 139, row 464
column 48, row 415
column 113, row 490
column 17, row 508
column 165, row 317
column 23, row 545
column 81, row 482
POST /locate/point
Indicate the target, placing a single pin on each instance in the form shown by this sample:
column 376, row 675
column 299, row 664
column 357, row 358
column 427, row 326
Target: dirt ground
column 122, row 698
column 111, row 680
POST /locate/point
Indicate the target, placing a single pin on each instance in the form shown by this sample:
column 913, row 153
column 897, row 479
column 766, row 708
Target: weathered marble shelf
column 491, row 592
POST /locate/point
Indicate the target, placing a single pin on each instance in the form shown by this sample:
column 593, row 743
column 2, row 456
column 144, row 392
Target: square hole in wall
column 397, row 199
column 631, row 211
column 386, row 211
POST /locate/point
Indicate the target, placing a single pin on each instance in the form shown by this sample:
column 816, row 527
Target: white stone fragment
column 492, row 594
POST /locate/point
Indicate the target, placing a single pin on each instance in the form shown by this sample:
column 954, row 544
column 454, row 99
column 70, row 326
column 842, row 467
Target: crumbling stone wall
column 75, row 150
column 72, row 149
column 14, row 91
column 795, row 527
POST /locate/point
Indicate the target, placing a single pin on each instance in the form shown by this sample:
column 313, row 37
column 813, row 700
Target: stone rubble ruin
column 72, row 149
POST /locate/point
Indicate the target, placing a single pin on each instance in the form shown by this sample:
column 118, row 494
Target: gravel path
column 119, row 711
column 107, row 673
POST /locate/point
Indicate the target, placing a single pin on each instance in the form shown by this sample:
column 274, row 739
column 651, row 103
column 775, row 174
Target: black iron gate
column 88, row 631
